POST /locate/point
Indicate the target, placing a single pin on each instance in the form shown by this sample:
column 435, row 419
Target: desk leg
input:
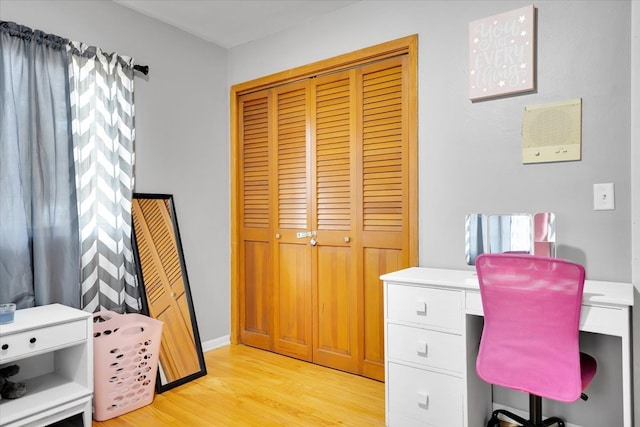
column 478, row 404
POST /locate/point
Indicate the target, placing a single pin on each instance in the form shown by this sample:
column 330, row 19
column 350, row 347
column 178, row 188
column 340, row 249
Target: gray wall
column 182, row 121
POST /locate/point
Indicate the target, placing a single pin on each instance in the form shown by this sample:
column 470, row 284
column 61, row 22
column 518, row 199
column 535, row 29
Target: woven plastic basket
column 126, row 348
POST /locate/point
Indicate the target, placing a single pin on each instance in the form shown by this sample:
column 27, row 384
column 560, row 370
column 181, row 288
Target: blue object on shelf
column 7, row 312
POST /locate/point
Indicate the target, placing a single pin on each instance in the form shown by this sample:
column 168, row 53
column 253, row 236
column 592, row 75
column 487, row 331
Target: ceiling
column 232, row 23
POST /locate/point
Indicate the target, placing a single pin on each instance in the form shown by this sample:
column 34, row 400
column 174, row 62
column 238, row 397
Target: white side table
column 53, row 346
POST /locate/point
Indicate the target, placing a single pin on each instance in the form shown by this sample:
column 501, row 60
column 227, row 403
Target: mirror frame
column 160, row 386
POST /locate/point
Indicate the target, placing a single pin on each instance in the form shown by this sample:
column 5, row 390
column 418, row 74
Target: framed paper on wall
column 502, row 54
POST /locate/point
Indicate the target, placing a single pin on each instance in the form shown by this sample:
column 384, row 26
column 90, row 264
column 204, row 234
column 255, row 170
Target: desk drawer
column 430, row 348
column 604, row 320
column 427, row 397
column 23, row 344
column 426, row 306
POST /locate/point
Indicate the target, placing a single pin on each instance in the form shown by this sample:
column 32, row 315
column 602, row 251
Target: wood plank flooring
column 250, row 387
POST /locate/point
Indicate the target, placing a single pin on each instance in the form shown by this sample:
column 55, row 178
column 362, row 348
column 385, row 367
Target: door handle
column 313, row 242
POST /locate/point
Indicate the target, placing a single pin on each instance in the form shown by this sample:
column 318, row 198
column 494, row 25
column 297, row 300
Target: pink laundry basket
column 125, row 355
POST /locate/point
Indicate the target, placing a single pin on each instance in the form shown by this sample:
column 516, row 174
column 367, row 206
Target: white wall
column 182, row 120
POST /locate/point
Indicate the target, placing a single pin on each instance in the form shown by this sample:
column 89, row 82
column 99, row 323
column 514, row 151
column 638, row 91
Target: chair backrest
column 531, row 310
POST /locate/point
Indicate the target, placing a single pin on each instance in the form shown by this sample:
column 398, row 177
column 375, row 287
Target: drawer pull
column 421, row 347
column 421, row 307
column 32, row 340
column 5, row 346
column 423, row 399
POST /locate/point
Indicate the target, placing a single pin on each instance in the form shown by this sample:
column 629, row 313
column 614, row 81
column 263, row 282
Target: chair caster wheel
column 494, row 421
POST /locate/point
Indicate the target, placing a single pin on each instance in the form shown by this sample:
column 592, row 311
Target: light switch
column 603, row 197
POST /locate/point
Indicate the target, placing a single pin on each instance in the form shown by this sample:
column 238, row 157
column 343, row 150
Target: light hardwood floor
column 249, row 387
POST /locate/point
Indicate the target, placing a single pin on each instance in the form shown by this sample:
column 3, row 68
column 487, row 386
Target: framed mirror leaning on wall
column 165, row 291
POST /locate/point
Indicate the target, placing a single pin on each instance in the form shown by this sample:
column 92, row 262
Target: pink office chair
column 530, row 338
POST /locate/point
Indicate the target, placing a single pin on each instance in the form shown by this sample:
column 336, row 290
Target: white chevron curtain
column 102, row 113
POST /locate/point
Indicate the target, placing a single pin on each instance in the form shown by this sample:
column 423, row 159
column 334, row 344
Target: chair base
column 495, row 421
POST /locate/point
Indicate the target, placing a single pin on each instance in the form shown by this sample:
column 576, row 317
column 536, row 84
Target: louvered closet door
column 330, row 156
column 384, row 198
column 360, row 162
column 254, row 255
column 291, row 209
column 333, row 215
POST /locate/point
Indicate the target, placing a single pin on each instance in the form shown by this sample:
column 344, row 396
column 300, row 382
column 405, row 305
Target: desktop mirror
column 165, row 291
column 499, row 233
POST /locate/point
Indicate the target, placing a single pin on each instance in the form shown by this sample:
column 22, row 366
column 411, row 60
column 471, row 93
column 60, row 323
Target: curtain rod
column 52, row 40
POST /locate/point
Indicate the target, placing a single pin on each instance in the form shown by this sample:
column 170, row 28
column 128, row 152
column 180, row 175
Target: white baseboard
column 215, row 343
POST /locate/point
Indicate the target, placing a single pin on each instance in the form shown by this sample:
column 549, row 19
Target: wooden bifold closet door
column 325, row 197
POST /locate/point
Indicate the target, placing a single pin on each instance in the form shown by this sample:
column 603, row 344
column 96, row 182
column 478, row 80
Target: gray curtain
column 39, row 250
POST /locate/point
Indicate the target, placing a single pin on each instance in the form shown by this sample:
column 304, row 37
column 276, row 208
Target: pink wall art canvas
column 502, row 54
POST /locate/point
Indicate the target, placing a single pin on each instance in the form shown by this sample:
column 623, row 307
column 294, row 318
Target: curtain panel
column 102, row 112
column 38, row 225
column 66, row 173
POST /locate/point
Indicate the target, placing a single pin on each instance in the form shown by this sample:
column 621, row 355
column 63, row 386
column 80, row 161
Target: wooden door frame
column 402, row 46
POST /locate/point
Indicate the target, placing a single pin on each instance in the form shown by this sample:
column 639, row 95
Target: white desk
column 431, row 345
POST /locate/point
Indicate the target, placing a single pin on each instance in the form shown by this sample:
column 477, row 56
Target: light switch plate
column 603, row 197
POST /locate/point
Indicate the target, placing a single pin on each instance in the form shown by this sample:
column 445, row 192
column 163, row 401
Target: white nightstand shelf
column 53, row 346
